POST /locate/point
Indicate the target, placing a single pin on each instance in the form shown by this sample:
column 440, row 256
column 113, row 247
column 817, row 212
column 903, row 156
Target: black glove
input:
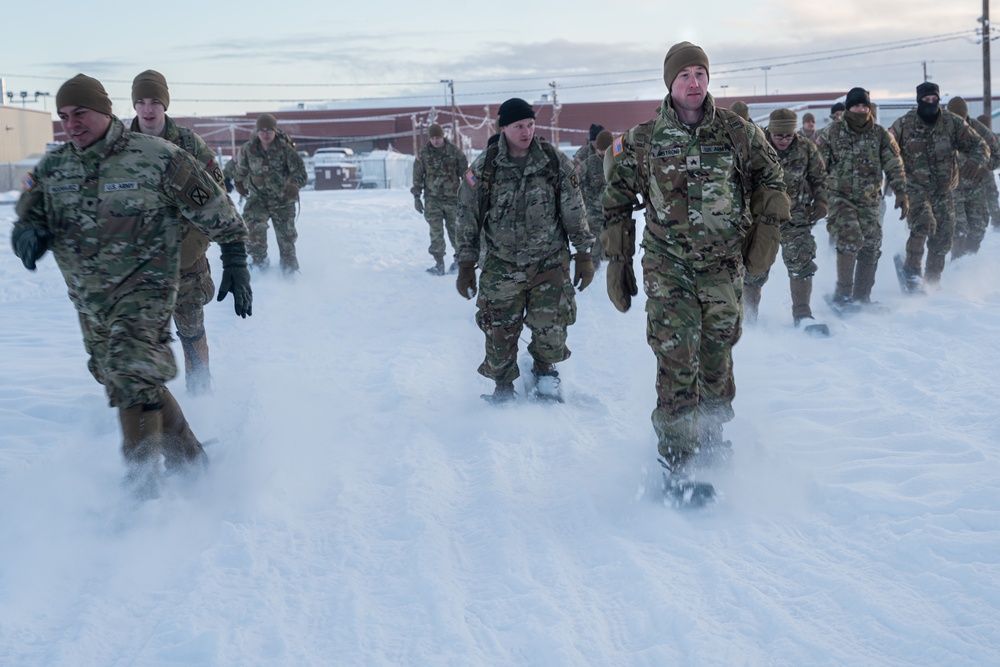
column 236, row 277
column 466, row 281
column 417, row 204
column 229, row 184
column 29, row 244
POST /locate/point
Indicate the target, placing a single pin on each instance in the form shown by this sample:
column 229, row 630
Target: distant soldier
column 808, row 127
column 836, row 113
column 228, row 172
column 109, row 204
column 592, row 182
column 857, row 152
column 972, row 213
column 588, row 148
column 270, row 173
column 991, row 195
column 437, row 173
column 521, row 198
column 150, row 99
column 930, row 139
column 804, row 176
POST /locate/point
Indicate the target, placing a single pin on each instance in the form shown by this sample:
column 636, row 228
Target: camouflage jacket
column 696, row 210
column 437, row 172
column 582, row 153
column 266, row 173
column 855, row 162
column 991, row 141
column 525, row 222
column 114, row 212
column 805, row 176
column 194, row 243
column 808, row 134
column 929, row 151
column 592, row 184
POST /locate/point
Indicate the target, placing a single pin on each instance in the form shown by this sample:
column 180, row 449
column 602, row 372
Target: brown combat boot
column 801, row 291
column 197, row 377
column 142, row 442
column 180, row 447
column 751, row 302
column 864, row 280
column 845, row 277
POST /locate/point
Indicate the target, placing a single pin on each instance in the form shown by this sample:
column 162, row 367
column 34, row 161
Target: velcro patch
column 618, row 145
column 574, row 180
column 714, row 149
column 693, row 162
column 471, row 179
column 216, row 173
column 115, row 187
column 669, row 152
column 28, row 182
column 198, row 195
column 65, row 187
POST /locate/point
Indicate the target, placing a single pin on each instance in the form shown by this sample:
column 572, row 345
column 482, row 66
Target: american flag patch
column 471, row 179
column 28, row 182
column 618, row 145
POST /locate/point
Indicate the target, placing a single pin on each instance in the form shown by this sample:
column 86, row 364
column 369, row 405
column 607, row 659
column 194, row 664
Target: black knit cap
column 857, row 96
column 838, row 106
column 513, row 110
column 595, row 130
column 928, row 88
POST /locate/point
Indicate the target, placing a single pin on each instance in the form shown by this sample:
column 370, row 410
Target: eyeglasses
column 266, row 130
column 783, row 137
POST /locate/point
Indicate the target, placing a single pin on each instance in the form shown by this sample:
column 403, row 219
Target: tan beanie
column 957, row 106
column 681, row 55
column 150, row 84
column 740, row 108
column 808, row 118
column 84, row 91
column 604, row 139
column 782, row 121
column 435, row 130
column 266, row 121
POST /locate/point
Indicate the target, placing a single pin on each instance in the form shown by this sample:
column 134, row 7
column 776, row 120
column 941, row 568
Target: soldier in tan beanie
column 84, row 109
column 150, row 99
column 809, row 126
column 437, row 173
column 973, row 197
column 592, row 182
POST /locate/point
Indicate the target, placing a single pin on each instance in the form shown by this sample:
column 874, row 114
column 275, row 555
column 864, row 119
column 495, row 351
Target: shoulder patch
column 197, row 195
column 471, row 179
column 892, row 131
column 618, row 145
column 28, row 182
column 574, row 179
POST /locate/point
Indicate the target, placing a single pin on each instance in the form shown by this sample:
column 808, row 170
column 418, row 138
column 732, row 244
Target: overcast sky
column 267, row 56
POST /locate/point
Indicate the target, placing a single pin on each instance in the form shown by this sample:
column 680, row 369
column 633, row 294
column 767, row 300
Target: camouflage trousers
column 195, row 291
column 539, row 296
column 856, row 229
column 129, row 347
column 931, row 221
column 798, row 251
column 693, row 320
column 282, row 213
column 972, row 217
column 440, row 215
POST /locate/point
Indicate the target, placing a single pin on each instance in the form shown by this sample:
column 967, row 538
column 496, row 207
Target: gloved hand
column 29, row 244
column 242, row 189
column 819, row 211
column 417, row 204
column 621, row 284
column 291, row 191
column 583, row 270
column 903, row 204
column 466, row 282
column 236, row 277
column 229, row 184
column 972, row 172
column 259, row 181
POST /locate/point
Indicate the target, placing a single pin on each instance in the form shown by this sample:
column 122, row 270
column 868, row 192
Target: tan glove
column 621, row 284
column 242, row 189
column 583, row 270
column 972, row 172
column 466, row 281
column 903, row 204
column 291, row 190
column 819, row 211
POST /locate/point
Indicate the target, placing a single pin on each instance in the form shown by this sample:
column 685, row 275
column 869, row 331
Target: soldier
column 804, row 175
column 836, row 113
column 698, row 198
column 592, row 182
column 856, row 152
column 972, row 213
column 437, row 173
column 991, row 195
column 270, row 173
column 808, row 126
column 150, row 99
column 228, row 172
column 929, row 139
column 521, row 196
column 588, row 148
column 109, row 204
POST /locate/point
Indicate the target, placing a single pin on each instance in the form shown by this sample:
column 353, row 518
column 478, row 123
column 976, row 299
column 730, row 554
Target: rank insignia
column 693, row 161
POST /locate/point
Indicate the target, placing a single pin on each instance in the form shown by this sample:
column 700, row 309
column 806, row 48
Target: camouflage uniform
column 592, row 182
column 929, row 155
column 267, row 174
column 437, row 173
column 114, row 211
column 582, row 153
column 855, row 162
column 804, row 175
column 525, row 276
column 696, row 216
column 972, row 198
column 196, row 288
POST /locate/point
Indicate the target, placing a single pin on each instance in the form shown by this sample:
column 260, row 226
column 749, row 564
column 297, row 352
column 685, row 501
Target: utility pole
column 926, row 78
column 987, row 87
column 555, row 115
column 765, row 80
column 454, row 116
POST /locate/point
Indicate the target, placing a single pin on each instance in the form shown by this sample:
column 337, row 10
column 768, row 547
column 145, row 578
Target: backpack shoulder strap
column 736, row 130
column 489, row 172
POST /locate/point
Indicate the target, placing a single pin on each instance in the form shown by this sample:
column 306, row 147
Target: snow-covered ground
column 365, row 507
